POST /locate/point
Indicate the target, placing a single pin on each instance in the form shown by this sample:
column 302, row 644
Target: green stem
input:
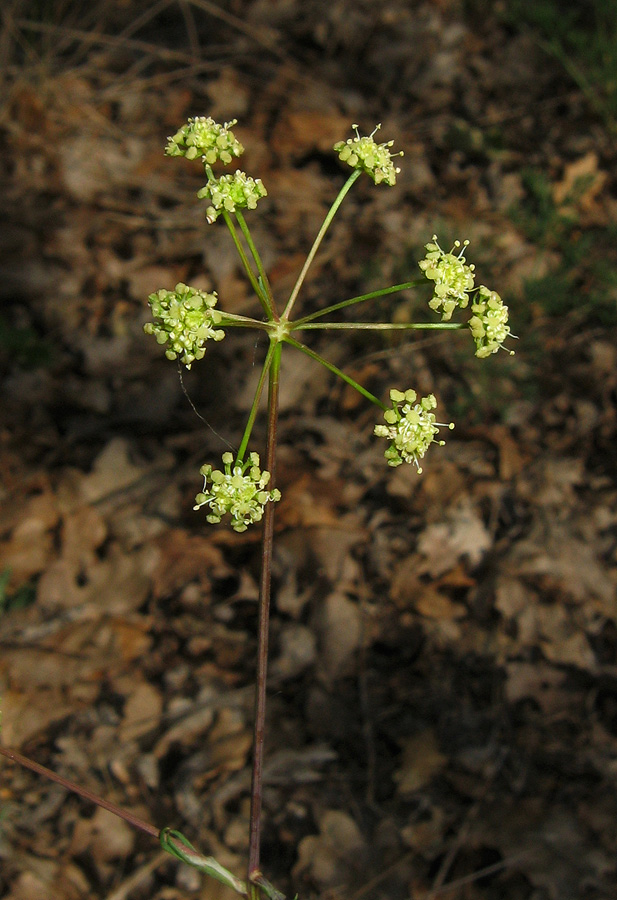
column 320, row 236
column 263, row 631
column 247, row 266
column 382, row 292
column 232, row 320
column 268, row 362
column 268, row 296
column 380, row 326
column 336, row 371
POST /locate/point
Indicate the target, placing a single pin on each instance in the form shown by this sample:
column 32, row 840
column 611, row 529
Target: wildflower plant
column 185, row 319
column 241, row 489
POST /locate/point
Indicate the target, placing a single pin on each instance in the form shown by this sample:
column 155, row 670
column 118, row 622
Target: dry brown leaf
column 104, row 837
column 340, row 633
column 26, row 714
column 230, row 753
column 426, row 835
column 142, row 711
column 421, row 761
column 327, row 857
column 298, row 650
column 569, row 648
column 581, row 184
column 186, row 731
column 406, row 585
column 30, row 546
column 112, row 471
column 332, row 546
column 91, row 163
column 541, row 682
column 511, row 460
column 559, row 561
column 299, row 131
column 308, row 508
column 462, row 536
column 83, row 531
column 130, row 637
column 229, row 95
column 35, row 885
column 434, row 605
column 183, row 558
column 117, row 584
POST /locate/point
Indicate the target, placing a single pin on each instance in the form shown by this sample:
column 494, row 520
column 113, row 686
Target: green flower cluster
column 185, row 319
column 453, row 278
column 239, row 490
column 231, row 192
column 365, row 154
column 204, row 137
column 488, row 323
column 410, row 428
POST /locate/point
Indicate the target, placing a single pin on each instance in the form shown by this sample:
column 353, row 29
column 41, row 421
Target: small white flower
column 452, row 276
column 411, row 427
column 488, row 324
column 239, row 490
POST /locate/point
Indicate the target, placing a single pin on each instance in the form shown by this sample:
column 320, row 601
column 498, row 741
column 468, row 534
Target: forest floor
column 442, row 716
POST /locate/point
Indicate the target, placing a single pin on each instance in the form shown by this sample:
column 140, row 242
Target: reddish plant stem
column 133, row 820
column 263, row 631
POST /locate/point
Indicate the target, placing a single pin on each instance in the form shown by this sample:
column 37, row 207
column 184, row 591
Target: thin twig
column 465, row 828
column 474, row 876
column 106, row 40
column 129, row 817
column 191, row 28
column 133, row 881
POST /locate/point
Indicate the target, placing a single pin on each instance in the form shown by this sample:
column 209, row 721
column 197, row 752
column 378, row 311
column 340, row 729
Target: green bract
column 365, row 154
column 239, row 491
column 488, row 324
column 410, row 428
column 453, row 278
column 184, row 319
column 204, row 137
column 231, row 192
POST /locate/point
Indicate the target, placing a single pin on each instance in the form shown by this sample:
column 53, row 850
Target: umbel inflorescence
column 454, row 280
column 185, row 319
column 410, row 427
column 366, row 154
column 239, row 490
